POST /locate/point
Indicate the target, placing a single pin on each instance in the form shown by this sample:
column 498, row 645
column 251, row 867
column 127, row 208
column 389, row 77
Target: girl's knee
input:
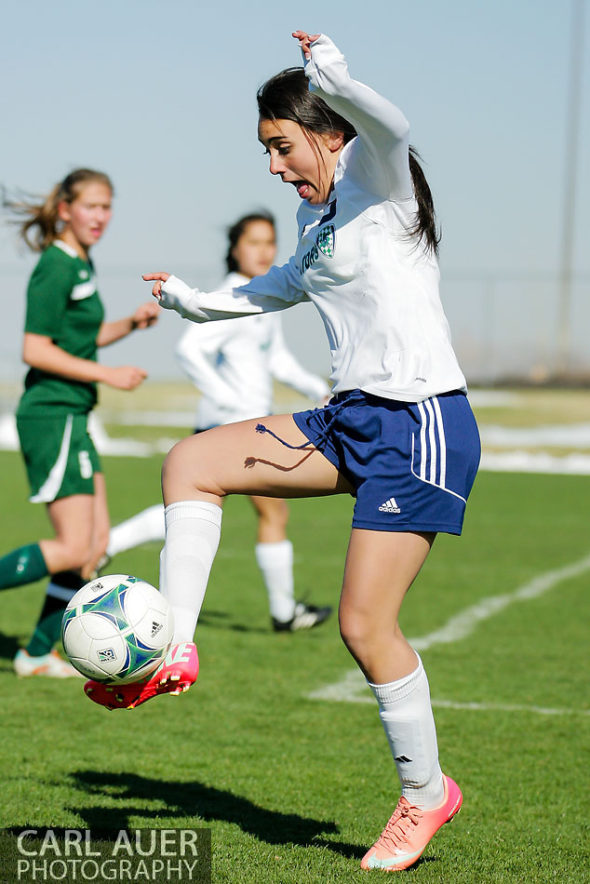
column 74, row 556
column 183, row 463
column 192, row 470
column 361, row 629
column 101, row 542
column 272, row 511
column 282, row 513
column 175, row 467
column 354, row 628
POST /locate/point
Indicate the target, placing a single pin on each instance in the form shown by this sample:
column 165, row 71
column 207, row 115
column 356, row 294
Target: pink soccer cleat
column 404, row 838
column 175, row 674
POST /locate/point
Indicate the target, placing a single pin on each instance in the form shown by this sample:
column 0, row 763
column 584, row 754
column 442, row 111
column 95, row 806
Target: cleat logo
column 390, row 506
column 106, row 655
column 156, row 628
column 178, row 654
column 181, row 653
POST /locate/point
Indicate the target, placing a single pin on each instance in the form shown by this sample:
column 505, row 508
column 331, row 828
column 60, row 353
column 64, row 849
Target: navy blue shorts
column 411, row 464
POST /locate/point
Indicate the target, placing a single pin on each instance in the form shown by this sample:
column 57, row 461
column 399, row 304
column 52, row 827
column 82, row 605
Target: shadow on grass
column 204, row 803
column 221, row 620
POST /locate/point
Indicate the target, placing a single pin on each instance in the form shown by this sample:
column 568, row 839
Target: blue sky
column 162, row 97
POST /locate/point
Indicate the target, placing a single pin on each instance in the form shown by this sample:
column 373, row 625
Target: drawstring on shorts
column 323, row 436
column 260, row 428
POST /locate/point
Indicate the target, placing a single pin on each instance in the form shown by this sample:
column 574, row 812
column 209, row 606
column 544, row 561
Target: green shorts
column 59, row 454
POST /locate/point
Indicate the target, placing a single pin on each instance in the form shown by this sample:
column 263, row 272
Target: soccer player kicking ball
column 399, row 434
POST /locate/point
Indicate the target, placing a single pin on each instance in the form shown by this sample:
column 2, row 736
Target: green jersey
column 62, row 304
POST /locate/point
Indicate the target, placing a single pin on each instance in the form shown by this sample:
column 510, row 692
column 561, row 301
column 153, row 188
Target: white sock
column 275, row 561
column 406, row 714
column 141, row 528
column 193, row 529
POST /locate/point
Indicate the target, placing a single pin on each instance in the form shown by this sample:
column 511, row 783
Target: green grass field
column 295, row 789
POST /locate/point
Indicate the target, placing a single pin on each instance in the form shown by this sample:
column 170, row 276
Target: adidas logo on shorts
column 390, row 506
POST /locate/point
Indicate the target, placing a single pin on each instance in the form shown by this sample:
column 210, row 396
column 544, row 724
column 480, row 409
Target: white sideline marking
column 574, row 464
column 353, row 687
column 506, row 707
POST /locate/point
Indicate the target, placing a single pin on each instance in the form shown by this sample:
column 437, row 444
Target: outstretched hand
column 305, row 41
column 157, row 286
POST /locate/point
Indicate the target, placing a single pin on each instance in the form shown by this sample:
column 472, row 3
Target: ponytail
column 424, row 227
column 42, row 224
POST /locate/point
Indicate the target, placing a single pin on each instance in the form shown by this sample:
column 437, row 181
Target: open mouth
column 303, row 189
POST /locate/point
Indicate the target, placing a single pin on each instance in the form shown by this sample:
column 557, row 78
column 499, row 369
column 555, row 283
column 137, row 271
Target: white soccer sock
column 141, row 528
column 193, row 529
column 275, row 561
column 406, row 714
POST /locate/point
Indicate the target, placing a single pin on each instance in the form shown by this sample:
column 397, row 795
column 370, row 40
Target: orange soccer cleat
column 406, row 835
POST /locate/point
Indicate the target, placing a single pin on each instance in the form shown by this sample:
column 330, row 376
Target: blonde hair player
column 64, row 326
column 399, row 433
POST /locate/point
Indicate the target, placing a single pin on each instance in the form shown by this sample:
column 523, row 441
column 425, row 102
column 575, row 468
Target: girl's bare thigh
column 236, row 459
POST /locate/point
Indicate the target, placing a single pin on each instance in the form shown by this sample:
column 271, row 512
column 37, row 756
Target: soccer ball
column 117, row 629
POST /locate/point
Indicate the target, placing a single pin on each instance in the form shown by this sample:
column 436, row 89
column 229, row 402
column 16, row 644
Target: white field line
column 505, row 707
column 575, row 464
column 352, row 688
column 552, row 435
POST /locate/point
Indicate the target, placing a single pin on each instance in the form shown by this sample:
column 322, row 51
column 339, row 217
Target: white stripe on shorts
column 432, row 441
column 422, row 443
column 443, row 442
column 432, row 429
column 48, row 490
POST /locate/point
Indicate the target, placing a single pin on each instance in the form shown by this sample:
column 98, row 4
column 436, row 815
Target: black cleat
column 305, row 617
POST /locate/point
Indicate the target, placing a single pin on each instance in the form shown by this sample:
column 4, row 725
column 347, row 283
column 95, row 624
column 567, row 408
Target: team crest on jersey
column 326, row 240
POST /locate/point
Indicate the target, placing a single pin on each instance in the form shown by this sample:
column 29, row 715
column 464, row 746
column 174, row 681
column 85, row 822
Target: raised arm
column 380, row 154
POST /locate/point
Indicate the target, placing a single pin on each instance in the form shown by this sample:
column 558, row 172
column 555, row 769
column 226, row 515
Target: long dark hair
column 236, row 231
column 41, row 225
column 286, row 96
column 425, row 226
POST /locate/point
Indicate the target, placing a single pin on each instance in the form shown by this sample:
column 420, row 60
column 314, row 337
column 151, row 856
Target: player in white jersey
column 233, row 364
column 399, row 434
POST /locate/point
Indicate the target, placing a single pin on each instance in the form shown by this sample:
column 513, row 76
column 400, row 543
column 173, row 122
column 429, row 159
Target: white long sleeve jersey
column 234, row 363
column 376, row 287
